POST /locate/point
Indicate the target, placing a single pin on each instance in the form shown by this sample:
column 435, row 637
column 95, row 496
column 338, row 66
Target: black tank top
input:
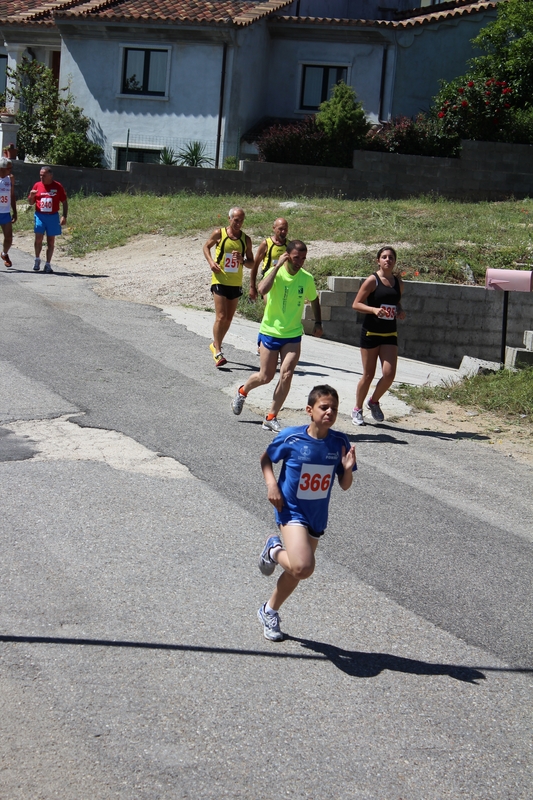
column 388, row 297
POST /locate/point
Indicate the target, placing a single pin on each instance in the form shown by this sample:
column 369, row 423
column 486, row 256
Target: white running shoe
column 357, row 416
column 237, row 403
column 271, row 425
column 270, row 623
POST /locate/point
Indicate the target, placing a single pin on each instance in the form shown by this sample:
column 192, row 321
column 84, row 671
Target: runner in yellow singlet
column 269, row 252
column 233, row 249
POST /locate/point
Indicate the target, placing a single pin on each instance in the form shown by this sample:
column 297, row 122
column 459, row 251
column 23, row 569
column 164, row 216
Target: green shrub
column 343, row 121
column 422, row 136
column 230, row 162
column 75, row 150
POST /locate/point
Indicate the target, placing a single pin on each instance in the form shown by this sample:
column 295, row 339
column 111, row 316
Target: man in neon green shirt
column 286, row 286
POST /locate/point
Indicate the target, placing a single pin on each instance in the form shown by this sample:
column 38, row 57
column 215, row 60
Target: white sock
column 273, row 552
column 269, row 610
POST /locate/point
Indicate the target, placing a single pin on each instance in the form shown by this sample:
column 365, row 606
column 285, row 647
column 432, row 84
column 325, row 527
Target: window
column 145, row 71
column 140, row 156
column 317, row 84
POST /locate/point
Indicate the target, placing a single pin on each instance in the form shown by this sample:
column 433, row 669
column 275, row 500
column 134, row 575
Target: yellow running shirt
column 225, row 253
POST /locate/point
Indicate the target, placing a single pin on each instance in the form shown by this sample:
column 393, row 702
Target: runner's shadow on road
column 57, row 272
column 388, row 438
column 352, row 662
column 356, row 373
column 369, row 665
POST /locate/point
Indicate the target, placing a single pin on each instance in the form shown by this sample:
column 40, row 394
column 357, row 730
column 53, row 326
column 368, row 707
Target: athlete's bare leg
column 224, row 312
column 297, row 562
column 290, row 355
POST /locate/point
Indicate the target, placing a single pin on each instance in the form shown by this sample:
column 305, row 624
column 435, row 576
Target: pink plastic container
column 509, row 280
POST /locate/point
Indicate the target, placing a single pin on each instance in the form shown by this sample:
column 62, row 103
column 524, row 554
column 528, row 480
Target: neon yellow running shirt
column 285, row 303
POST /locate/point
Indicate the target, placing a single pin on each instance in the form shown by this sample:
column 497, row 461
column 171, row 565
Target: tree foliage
column 494, row 100
column 37, row 93
column 508, row 45
column 52, row 127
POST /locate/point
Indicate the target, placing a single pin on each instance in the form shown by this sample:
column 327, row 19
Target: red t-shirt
column 49, row 198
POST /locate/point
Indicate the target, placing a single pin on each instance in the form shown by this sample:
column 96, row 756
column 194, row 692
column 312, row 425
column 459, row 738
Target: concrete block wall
column 518, row 357
column 485, row 171
column 444, row 321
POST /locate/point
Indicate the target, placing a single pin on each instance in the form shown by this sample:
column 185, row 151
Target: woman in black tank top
column 379, row 299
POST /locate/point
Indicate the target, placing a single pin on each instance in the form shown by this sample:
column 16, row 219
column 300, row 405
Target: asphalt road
column 132, row 662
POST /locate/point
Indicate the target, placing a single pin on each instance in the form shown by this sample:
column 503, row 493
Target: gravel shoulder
column 165, row 271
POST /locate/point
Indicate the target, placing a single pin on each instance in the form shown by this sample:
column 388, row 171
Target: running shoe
column 237, row 403
column 217, row 357
column 6, row 260
column 270, row 623
column 48, row 269
column 375, row 410
column 271, row 425
column 266, row 564
column 357, row 416
column 37, row 265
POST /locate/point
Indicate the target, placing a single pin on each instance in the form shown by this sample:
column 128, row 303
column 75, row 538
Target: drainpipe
column 221, row 103
column 382, row 84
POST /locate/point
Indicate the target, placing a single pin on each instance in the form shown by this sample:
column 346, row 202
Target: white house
column 177, row 71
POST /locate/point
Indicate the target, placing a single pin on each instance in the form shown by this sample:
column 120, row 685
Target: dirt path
column 164, row 271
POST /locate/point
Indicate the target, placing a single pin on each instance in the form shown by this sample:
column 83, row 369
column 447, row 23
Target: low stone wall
column 485, row 171
column 444, row 321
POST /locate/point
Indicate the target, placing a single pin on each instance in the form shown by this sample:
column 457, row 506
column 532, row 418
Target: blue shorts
column 47, row 223
column 291, row 520
column 275, row 343
column 5, row 219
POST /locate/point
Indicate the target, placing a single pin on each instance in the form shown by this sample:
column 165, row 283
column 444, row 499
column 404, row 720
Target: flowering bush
column 476, row 108
column 422, row 136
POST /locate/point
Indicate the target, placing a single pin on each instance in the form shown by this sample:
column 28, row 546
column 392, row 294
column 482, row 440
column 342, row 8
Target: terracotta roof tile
column 222, row 12
column 232, row 12
column 409, row 19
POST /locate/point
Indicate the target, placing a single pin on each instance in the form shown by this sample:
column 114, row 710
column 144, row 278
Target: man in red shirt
column 47, row 195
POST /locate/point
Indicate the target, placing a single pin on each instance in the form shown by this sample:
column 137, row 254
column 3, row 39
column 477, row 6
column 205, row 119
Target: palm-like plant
column 168, row 156
column 194, row 155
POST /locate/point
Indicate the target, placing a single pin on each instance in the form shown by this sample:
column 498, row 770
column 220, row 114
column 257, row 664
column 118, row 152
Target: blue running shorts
column 47, row 223
column 274, row 342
